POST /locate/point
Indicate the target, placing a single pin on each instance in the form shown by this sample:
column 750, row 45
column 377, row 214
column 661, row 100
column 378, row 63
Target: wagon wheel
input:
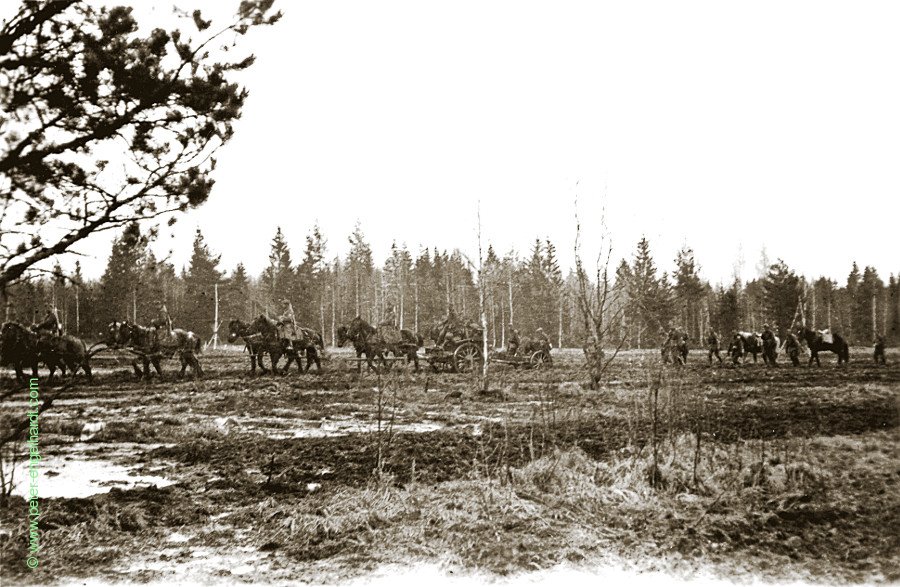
column 466, row 357
column 540, row 360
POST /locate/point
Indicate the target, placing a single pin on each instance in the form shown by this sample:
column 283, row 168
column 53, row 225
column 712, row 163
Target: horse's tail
column 198, row 344
column 420, row 340
column 320, row 341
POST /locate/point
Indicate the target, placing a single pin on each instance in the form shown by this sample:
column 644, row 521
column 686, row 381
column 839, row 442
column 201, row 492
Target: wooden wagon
column 464, row 356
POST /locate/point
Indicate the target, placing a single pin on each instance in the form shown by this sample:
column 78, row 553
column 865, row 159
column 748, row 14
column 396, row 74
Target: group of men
column 452, row 328
column 540, row 339
column 791, row 344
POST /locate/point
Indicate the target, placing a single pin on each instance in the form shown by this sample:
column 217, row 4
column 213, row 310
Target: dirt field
column 781, row 473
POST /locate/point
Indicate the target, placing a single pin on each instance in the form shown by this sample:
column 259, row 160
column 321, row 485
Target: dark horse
column 153, row 344
column 257, row 343
column 262, row 336
column 367, row 340
column 746, row 343
column 21, row 347
column 63, row 351
column 816, row 342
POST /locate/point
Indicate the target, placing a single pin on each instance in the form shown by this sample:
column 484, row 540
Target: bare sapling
column 597, row 303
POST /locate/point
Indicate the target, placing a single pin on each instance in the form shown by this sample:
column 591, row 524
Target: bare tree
column 482, row 295
column 597, row 303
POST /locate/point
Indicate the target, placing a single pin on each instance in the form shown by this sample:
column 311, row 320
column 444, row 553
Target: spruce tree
column 200, row 282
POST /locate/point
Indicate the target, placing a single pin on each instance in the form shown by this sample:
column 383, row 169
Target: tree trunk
column 510, row 282
column 334, row 312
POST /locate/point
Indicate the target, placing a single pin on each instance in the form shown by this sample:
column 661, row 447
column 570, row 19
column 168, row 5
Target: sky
column 727, row 127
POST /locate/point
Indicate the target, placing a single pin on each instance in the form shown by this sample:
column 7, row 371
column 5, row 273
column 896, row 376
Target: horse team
column 766, row 344
column 26, row 347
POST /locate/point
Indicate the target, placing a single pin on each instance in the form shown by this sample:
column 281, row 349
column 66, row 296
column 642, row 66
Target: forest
column 527, row 291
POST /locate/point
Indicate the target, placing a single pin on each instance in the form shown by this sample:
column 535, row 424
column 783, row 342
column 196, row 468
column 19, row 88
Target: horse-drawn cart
column 531, row 359
column 461, row 356
column 466, row 355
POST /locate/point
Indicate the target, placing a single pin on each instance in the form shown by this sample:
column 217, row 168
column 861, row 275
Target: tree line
column 419, row 288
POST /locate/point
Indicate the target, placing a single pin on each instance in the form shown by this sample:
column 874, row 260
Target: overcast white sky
column 727, row 126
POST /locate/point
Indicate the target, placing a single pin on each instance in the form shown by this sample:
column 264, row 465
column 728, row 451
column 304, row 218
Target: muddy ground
column 775, row 473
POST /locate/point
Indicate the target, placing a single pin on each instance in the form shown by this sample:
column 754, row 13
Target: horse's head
column 111, row 336
column 359, row 328
column 126, row 333
column 9, row 335
column 343, row 335
column 236, row 329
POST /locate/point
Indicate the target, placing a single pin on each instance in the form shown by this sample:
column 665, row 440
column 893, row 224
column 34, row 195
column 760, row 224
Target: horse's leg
column 369, row 360
column 359, row 355
column 259, row 359
column 20, row 373
column 195, row 366
column 275, row 357
column 184, row 363
column 137, row 370
column 157, row 364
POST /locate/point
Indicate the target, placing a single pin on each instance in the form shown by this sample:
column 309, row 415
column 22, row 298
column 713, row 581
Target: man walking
column 712, row 340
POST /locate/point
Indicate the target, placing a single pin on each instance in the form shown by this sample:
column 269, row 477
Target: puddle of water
column 281, row 428
column 177, row 537
column 91, row 429
column 72, row 474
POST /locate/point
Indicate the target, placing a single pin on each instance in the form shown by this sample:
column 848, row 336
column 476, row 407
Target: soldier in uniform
column 792, row 348
column 712, row 339
column 387, row 328
column 163, row 319
column 542, row 338
column 512, row 345
column 50, row 323
column 287, row 325
column 879, row 351
column 448, row 325
column 390, row 318
column 769, row 344
column 736, row 348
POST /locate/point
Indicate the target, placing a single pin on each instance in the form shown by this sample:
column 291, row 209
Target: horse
column 770, row 348
column 19, row 347
column 816, row 342
column 675, row 350
column 152, row 344
column 262, row 336
column 63, row 351
column 312, row 344
column 367, row 340
column 258, row 341
column 305, row 340
column 743, row 344
column 24, row 347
